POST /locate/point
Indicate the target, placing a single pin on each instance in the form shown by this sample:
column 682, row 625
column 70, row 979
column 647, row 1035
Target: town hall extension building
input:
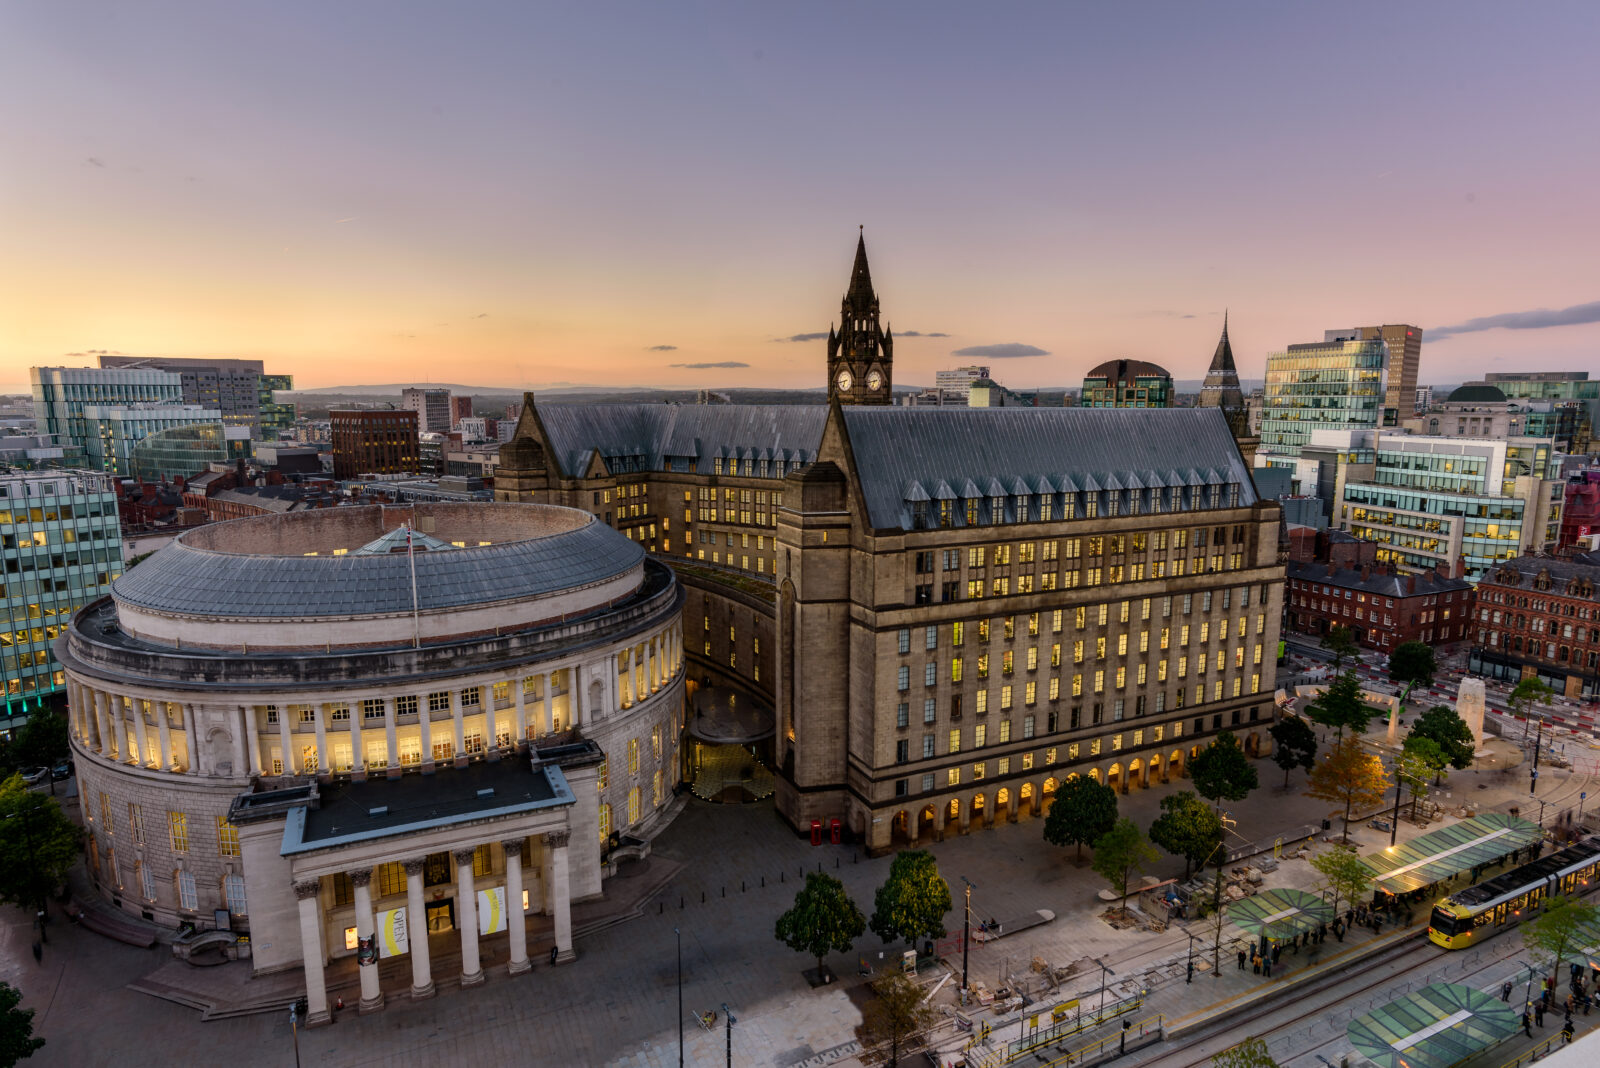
column 931, row 616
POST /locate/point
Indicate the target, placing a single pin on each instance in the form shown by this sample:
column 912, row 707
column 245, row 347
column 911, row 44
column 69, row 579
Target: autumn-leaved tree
column 1294, row 745
column 1251, row 1053
column 823, row 919
column 1122, row 852
column 1083, row 810
column 913, row 900
column 1222, row 772
column 1567, row 924
column 897, row 1014
column 1344, row 876
column 1187, row 827
column 1342, row 705
column 1350, row 776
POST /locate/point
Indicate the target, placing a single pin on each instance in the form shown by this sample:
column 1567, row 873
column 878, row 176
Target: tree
column 1343, row 875
column 16, row 1027
column 823, row 918
column 1219, row 920
column 1251, row 1053
column 1422, row 750
column 1441, row 725
column 1413, row 664
column 1567, row 924
column 1294, row 745
column 1529, row 692
column 42, row 742
column 1342, row 644
column 913, row 900
column 1222, row 771
column 1122, row 852
column 898, row 1013
column 38, row 845
column 1187, row 827
column 1350, row 776
column 1342, row 705
column 1083, row 810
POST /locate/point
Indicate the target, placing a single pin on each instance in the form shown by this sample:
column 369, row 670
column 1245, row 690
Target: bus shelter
column 1279, row 914
column 1468, row 846
column 1438, row 1026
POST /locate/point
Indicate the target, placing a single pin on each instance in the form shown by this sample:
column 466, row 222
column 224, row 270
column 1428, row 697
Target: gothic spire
column 860, row 294
column 1221, row 388
column 1222, row 360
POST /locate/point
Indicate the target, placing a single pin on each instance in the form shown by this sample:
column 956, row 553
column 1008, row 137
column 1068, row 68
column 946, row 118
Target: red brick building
column 373, row 442
column 1540, row 616
column 1383, row 609
column 1580, row 513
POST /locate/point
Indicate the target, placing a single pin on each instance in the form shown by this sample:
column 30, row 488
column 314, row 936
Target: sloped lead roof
column 704, row 432
column 1086, row 447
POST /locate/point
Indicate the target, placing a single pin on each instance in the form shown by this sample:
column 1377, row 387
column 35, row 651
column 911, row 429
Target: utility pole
column 731, row 1021
column 966, row 937
column 1538, row 743
column 1399, row 780
column 679, row 937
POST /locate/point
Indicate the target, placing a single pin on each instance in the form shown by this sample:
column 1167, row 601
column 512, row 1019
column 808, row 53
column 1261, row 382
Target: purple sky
column 523, row 194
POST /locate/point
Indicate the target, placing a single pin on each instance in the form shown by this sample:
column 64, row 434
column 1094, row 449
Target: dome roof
column 1127, row 371
column 1476, row 393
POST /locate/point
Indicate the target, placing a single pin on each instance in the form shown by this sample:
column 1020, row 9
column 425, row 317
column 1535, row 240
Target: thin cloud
column 1538, row 319
column 94, row 161
column 481, row 315
column 662, row 348
column 708, row 366
column 1164, row 313
column 95, row 352
column 919, row 333
column 1009, row 350
column 801, row 337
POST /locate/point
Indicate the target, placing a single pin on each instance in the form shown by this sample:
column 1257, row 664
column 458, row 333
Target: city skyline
column 519, row 198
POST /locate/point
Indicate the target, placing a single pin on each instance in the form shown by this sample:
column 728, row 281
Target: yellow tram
column 1471, row 915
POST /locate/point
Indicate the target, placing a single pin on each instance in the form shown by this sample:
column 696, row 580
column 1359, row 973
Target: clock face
column 845, row 381
column 874, row 380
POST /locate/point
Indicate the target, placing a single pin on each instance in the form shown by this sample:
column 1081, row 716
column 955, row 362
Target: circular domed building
column 362, row 729
column 1127, row 384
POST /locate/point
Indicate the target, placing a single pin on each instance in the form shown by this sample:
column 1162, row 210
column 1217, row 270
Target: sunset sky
column 526, row 194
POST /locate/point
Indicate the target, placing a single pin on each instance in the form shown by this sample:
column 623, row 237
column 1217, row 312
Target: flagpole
column 416, row 615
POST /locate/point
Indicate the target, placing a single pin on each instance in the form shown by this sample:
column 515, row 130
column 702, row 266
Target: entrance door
column 442, row 916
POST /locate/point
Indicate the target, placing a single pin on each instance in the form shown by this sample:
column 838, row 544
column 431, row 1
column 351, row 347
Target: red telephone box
column 816, row 832
column 834, row 831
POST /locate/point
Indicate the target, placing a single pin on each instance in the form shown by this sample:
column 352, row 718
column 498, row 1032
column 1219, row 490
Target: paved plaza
column 618, row 1003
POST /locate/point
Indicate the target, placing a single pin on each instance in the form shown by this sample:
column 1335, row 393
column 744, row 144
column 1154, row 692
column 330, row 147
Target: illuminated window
column 227, row 838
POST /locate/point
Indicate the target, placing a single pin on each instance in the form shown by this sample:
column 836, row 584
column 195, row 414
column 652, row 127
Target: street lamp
column 1189, row 978
column 1538, row 743
column 966, row 936
column 731, row 1021
column 1399, row 780
column 1527, row 1004
column 679, row 937
column 1105, row 971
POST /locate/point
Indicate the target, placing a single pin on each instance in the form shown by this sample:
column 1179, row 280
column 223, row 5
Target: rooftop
column 1379, row 582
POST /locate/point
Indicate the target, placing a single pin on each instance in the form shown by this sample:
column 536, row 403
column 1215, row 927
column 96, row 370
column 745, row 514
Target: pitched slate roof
column 1377, row 581
column 897, row 449
column 702, row 432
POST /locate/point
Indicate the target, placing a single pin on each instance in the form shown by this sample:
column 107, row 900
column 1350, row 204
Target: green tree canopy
column 1442, row 726
column 823, row 918
column 897, row 1014
column 1344, row 876
column 1222, row 772
column 1421, row 756
column 38, row 845
column 1566, row 925
column 1251, row 1053
column 1122, row 852
column 1294, row 745
column 913, row 900
column 1187, row 827
column 1342, row 705
column 42, row 742
column 16, row 1027
column 1350, row 776
column 1413, row 664
column 1342, row 644
column 1529, row 692
column 1083, row 810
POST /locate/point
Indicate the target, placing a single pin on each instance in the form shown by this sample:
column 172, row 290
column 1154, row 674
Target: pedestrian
column 1505, row 991
column 1241, row 960
column 1527, row 1025
column 1266, row 967
column 1277, row 951
column 1255, row 961
column 1586, row 1000
column 1566, row 1032
column 1538, row 1013
column 1338, row 930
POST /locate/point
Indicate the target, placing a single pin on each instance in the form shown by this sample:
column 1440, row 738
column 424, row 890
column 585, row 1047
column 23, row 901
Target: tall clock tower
column 860, row 352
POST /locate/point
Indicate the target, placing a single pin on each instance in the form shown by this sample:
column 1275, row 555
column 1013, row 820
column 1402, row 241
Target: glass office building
column 1336, row 385
column 114, row 432
column 61, row 547
column 60, row 395
column 188, row 450
column 276, row 419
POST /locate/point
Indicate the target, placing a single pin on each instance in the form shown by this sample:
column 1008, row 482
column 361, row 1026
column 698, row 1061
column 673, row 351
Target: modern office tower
column 1328, row 385
column 959, row 379
column 371, row 442
column 61, row 393
column 1471, row 502
column 240, row 389
column 115, row 430
column 432, row 407
column 61, row 549
column 1127, row 384
column 1480, row 410
column 1424, row 398
column 1566, row 388
column 187, row 450
column 460, row 408
column 1404, row 342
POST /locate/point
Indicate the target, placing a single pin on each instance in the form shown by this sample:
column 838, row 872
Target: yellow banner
column 491, row 910
column 393, row 937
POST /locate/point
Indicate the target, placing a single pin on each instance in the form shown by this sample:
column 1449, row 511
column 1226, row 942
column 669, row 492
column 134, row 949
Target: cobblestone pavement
column 618, row 1004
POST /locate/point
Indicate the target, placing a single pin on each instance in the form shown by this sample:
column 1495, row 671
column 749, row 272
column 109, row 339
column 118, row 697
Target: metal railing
column 1149, row 1029
column 1054, row 1033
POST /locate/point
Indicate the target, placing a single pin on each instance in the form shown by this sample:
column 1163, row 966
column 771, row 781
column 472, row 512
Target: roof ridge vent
column 377, row 812
column 487, row 791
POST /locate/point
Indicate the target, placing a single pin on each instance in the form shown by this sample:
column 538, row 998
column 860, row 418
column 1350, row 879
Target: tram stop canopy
column 1449, row 851
column 1280, row 914
column 1438, row 1026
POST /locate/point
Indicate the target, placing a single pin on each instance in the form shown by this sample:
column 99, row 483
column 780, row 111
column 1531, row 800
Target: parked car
column 36, row 776
column 61, row 771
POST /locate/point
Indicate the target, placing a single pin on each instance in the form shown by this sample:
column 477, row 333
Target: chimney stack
column 1411, row 584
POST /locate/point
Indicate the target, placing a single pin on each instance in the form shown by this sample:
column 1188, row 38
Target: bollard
column 661, row 906
column 680, row 902
column 702, row 897
column 836, row 863
column 782, row 877
column 763, row 880
column 724, row 891
column 741, row 886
